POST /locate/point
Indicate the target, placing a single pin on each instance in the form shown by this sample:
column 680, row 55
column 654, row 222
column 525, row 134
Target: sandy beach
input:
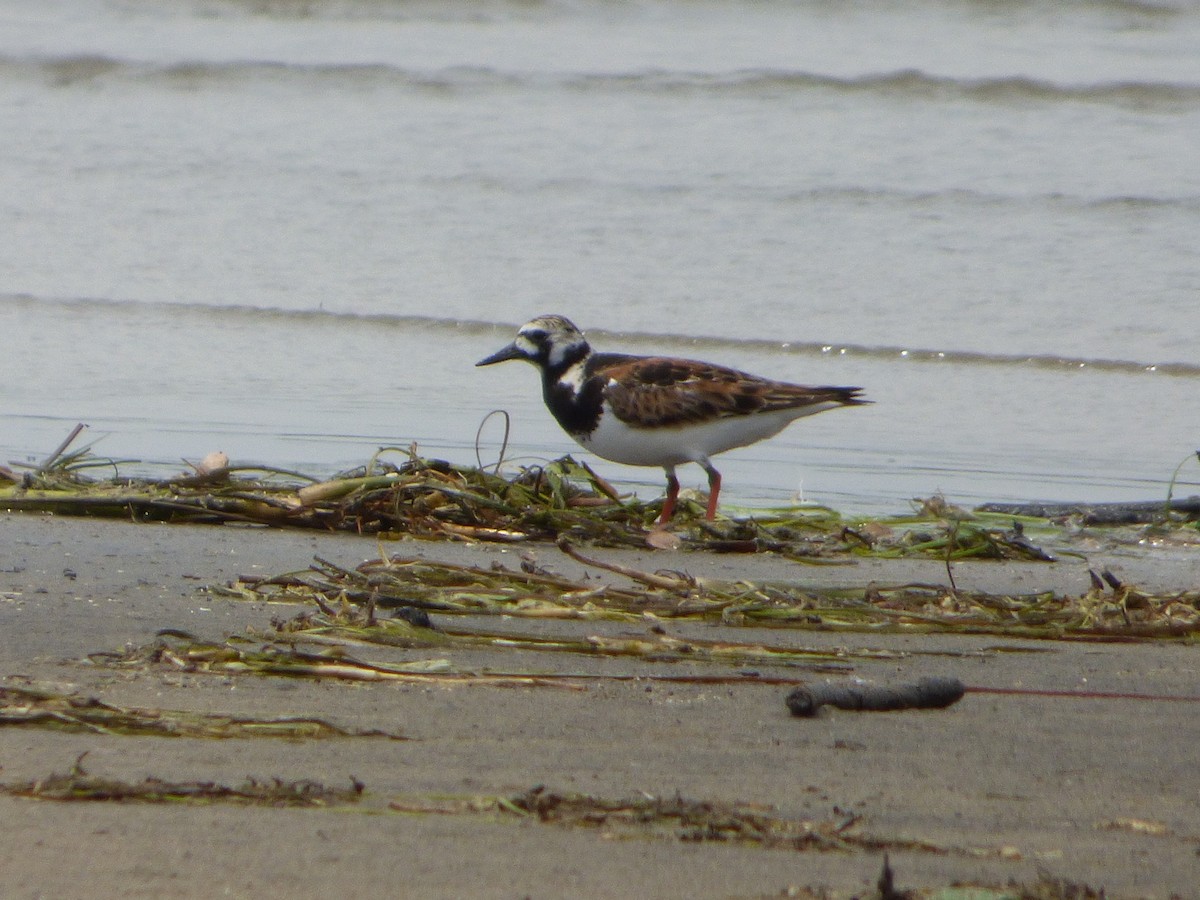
column 278, row 235
column 999, row 788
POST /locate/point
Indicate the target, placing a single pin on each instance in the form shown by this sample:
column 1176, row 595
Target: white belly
column 617, row 441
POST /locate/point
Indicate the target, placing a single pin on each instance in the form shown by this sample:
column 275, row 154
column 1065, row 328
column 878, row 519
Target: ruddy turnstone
column 657, row 410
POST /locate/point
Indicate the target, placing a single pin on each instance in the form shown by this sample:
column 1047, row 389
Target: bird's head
column 551, row 343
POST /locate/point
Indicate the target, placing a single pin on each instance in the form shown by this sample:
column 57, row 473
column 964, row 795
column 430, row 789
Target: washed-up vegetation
column 244, row 656
column 435, row 499
column 78, row 785
column 1109, row 609
column 683, row 819
column 476, row 626
column 645, row 817
column 284, row 656
column 351, row 627
column 346, row 610
column 649, row 816
column 34, row 707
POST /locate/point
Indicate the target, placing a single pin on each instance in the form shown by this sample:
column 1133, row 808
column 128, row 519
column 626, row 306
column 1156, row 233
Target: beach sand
column 1097, row 792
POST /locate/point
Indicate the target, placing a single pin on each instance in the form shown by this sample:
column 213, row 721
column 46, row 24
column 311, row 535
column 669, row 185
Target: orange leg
column 668, row 509
column 714, row 489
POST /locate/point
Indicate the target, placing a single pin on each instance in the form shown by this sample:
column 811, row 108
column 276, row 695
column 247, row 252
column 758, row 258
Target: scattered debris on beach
column 78, row 785
column 644, row 817
column 690, row 821
column 436, row 499
column 34, row 707
column 1108, row 610
column 653, row 816
column 346, row 610
column 242, row 656
column 930, row 692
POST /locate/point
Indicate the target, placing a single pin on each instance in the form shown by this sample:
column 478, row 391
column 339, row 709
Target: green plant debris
column 1120, row 612
column 435, row 499
column 675, row 817
column 427, row 498
column 649, row 817
column 240, row 656
column 1109, row 610
column 351, row 625
column 30, row 707
column 450, row 588
column 78, row 785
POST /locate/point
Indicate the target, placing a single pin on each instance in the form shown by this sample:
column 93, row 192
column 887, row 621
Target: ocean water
column 288, row 228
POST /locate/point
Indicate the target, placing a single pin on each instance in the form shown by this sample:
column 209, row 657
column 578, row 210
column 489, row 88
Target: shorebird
column 658, row 410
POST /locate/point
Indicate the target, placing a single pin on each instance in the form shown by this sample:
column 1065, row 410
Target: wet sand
column 1102, row 792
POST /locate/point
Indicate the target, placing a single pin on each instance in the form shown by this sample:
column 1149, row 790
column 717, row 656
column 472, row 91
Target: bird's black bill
column 507, row 353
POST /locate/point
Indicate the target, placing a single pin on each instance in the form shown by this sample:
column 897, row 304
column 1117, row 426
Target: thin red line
column 1083, row 695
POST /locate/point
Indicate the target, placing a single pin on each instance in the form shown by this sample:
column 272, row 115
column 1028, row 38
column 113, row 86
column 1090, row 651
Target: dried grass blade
column 679, row 583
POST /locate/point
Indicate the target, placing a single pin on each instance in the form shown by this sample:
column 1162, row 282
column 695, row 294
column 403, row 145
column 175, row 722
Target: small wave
column 71, row 70
column 971, row 198
column 922, row 355
column 507, row 10
column 847, row 194
column 902, row 84
column 262, row 314
column 472, row 11
column 347, row 319
column 906, row 84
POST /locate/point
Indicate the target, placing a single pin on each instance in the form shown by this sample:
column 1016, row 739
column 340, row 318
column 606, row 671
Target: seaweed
column 31, row 707
column 436, row 499
column 422, row 497
column 1108, row 610
column 682, row 819
column 243, row 656
column 349, row 625
column 77, row 785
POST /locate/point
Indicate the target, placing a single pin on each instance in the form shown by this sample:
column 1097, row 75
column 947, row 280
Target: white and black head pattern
column 552, row 343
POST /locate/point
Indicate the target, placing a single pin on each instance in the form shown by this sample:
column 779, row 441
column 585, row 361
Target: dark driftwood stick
column 62, row 448
column 1099, row 513
column 928, row 693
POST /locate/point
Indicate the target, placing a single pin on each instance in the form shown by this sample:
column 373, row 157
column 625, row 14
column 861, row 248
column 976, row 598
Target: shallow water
column 288, row 229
